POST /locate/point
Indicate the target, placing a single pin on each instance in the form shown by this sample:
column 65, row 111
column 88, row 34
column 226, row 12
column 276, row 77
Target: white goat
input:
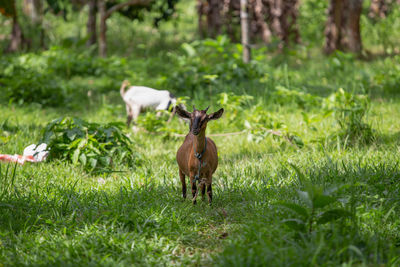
column 138, row 98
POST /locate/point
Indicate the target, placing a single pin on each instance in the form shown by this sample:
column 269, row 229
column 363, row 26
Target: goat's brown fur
column 195, row 142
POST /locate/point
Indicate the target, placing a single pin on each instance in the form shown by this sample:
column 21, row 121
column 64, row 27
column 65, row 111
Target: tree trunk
column 103, row 29
column 351, row 40
column 260, row 18
column 106, row 13
column 288, row 20
column 202, row 7
column 91, row 23
column 378, row 9
column 17, row 37
column 214, row 21
column 244, row 19
column 342, row 30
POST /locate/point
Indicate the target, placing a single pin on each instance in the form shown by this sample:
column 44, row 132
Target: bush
column 25, row 86
column 94, row 146
column 284, row 96
column 350, row 111
column 209, row 63
column 68, row 63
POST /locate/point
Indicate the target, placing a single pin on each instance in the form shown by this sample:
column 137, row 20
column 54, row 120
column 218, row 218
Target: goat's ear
column 216, row 115
column 182, row 113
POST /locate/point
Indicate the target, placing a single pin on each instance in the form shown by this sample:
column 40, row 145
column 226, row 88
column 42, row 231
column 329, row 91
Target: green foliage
column 317, row 209
column 23, row 85
column 285, row 96
column 209, row 63
column 68, row 63
column 349, row 111
column 151, row 123
column 94, row 146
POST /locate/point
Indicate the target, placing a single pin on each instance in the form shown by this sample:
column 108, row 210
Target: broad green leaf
column 296, row 208
column 93, row 163
column 75, row 156
column 83, row 159
column 301, row 176
column 295, row 224
column 305, row 197
column 321, row 201
column 332, row 215
column 189, row 49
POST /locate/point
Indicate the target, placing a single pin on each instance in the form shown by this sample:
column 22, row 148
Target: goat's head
column 198, row 118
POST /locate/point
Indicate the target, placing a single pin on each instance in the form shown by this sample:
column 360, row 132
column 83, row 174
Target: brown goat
column 197, row 157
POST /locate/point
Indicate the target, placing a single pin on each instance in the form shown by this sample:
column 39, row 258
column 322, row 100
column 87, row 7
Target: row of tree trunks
column 378, row 9
column 342, row 30
column 266, row 17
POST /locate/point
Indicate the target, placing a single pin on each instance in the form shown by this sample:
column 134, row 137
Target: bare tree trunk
column 351, row 39
column 91, row 23
column 378, row 9
column 202, row 7
column 37, row 18
column 276, row 14
column 214, row 20
column 103, row 29
column 342, row 30
column 260, row 17
column 289, row 21
column 244, row 18
column 34, row 10
column 17, row 38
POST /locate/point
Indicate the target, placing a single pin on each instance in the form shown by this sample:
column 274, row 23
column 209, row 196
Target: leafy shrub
column 150, row 122
column 260, row 124
column 66, row 62
column 23, row 85
column 210, row 62
column 388, row 79
column 350, row 111
column 94, row 146
column 285, row 96
column 314, row 211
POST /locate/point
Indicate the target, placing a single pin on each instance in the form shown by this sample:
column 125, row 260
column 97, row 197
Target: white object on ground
column 32, row 153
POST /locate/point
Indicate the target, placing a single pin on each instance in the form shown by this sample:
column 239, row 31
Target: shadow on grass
column 242, row 218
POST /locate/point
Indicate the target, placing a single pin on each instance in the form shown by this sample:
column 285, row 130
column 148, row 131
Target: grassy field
column 324, row 193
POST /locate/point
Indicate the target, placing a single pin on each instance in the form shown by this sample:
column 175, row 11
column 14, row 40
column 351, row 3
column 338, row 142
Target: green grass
column 57, row 214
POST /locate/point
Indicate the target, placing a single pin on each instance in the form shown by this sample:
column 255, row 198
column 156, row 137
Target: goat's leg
column 209, row 193
column 183, row 181
column 194, row 189
column 129, row 112
column 203, row 190
column 135, row 111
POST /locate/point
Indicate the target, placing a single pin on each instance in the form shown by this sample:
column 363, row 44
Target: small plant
column 150, row 122
column 284, row 96
column 350, row 111
column 94, row 146
column 316, row 209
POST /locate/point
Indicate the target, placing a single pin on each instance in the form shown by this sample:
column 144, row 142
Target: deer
column 197, row 157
